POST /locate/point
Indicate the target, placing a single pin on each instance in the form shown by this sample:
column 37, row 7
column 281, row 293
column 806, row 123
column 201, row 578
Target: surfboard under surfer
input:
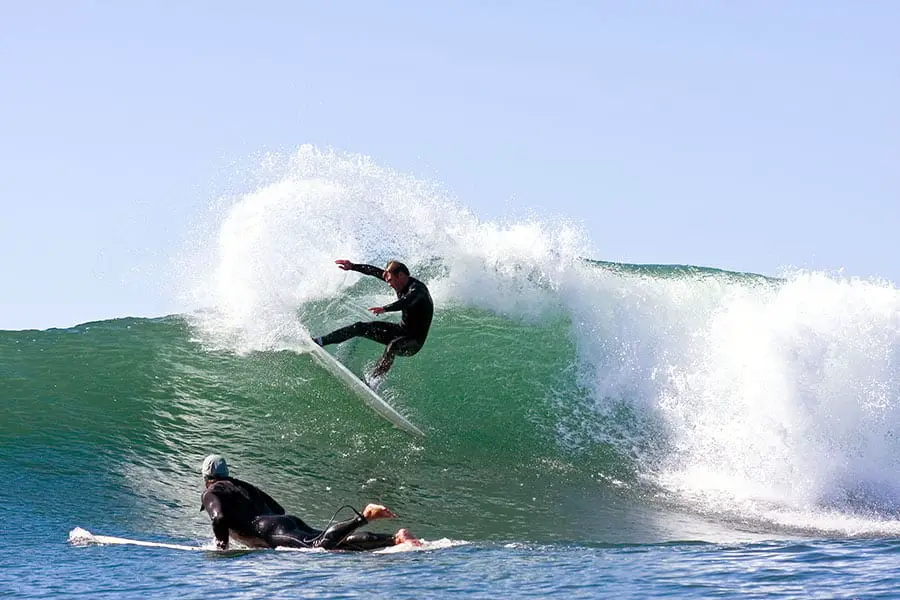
column 242, row 511
column 403, row 339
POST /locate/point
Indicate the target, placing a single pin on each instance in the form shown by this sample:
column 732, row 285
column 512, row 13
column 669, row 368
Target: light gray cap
column 214, row 467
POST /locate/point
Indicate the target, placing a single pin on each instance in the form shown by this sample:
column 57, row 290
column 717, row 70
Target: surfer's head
column 214, row 467
column 395, row 266
column 396, row 274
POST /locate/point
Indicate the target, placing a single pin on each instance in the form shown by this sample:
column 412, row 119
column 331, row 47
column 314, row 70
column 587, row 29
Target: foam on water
column 767, row 401
column 789, row 402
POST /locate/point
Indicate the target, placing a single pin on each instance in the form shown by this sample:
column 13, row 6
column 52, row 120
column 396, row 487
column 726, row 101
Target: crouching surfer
column 243, row 511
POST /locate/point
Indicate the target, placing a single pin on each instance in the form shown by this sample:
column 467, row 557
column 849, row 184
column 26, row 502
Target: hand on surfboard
column 377, row 511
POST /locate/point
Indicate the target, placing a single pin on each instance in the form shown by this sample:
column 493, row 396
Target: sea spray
column 275, row 247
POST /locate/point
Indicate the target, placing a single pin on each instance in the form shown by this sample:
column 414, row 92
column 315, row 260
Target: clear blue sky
column 741, row 135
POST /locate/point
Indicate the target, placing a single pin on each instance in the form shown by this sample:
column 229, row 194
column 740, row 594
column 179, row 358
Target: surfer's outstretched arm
column 360, row 268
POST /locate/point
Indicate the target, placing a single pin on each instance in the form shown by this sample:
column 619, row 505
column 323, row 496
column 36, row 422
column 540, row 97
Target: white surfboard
column 83, row 537
column 365, row 393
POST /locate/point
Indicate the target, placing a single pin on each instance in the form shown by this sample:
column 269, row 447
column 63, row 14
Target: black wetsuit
column 403, row 339
column 254, row 518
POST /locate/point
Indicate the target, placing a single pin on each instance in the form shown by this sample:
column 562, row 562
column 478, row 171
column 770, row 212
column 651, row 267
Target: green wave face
column 125, row 410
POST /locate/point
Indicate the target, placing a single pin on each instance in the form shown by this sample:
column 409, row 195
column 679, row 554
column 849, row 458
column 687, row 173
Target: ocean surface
column 593, row 429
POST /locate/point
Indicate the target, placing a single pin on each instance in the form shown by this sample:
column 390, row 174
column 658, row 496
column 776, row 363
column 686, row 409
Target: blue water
column 782, row 569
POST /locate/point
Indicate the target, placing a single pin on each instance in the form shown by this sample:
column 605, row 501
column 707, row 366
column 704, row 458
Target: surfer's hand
column 344, row 264
column 377, row 511
column 377, row 310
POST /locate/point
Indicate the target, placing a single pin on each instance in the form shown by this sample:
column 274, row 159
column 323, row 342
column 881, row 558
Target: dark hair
column 395, row 266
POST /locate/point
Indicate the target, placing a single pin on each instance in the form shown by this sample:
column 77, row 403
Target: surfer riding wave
column 403, row 339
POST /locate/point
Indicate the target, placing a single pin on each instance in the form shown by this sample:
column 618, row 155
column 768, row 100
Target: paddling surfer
column 414, row 303
column 243, row 511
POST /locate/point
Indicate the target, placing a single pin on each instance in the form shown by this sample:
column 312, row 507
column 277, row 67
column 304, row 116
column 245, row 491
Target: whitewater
column 633, row 430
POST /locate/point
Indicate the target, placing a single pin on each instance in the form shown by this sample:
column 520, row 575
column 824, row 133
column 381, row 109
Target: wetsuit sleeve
column 213, row 507
column 368, row 270
column 417, row 293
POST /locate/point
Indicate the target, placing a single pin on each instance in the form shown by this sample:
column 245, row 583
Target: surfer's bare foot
column 403, row 535
column 377, row 511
